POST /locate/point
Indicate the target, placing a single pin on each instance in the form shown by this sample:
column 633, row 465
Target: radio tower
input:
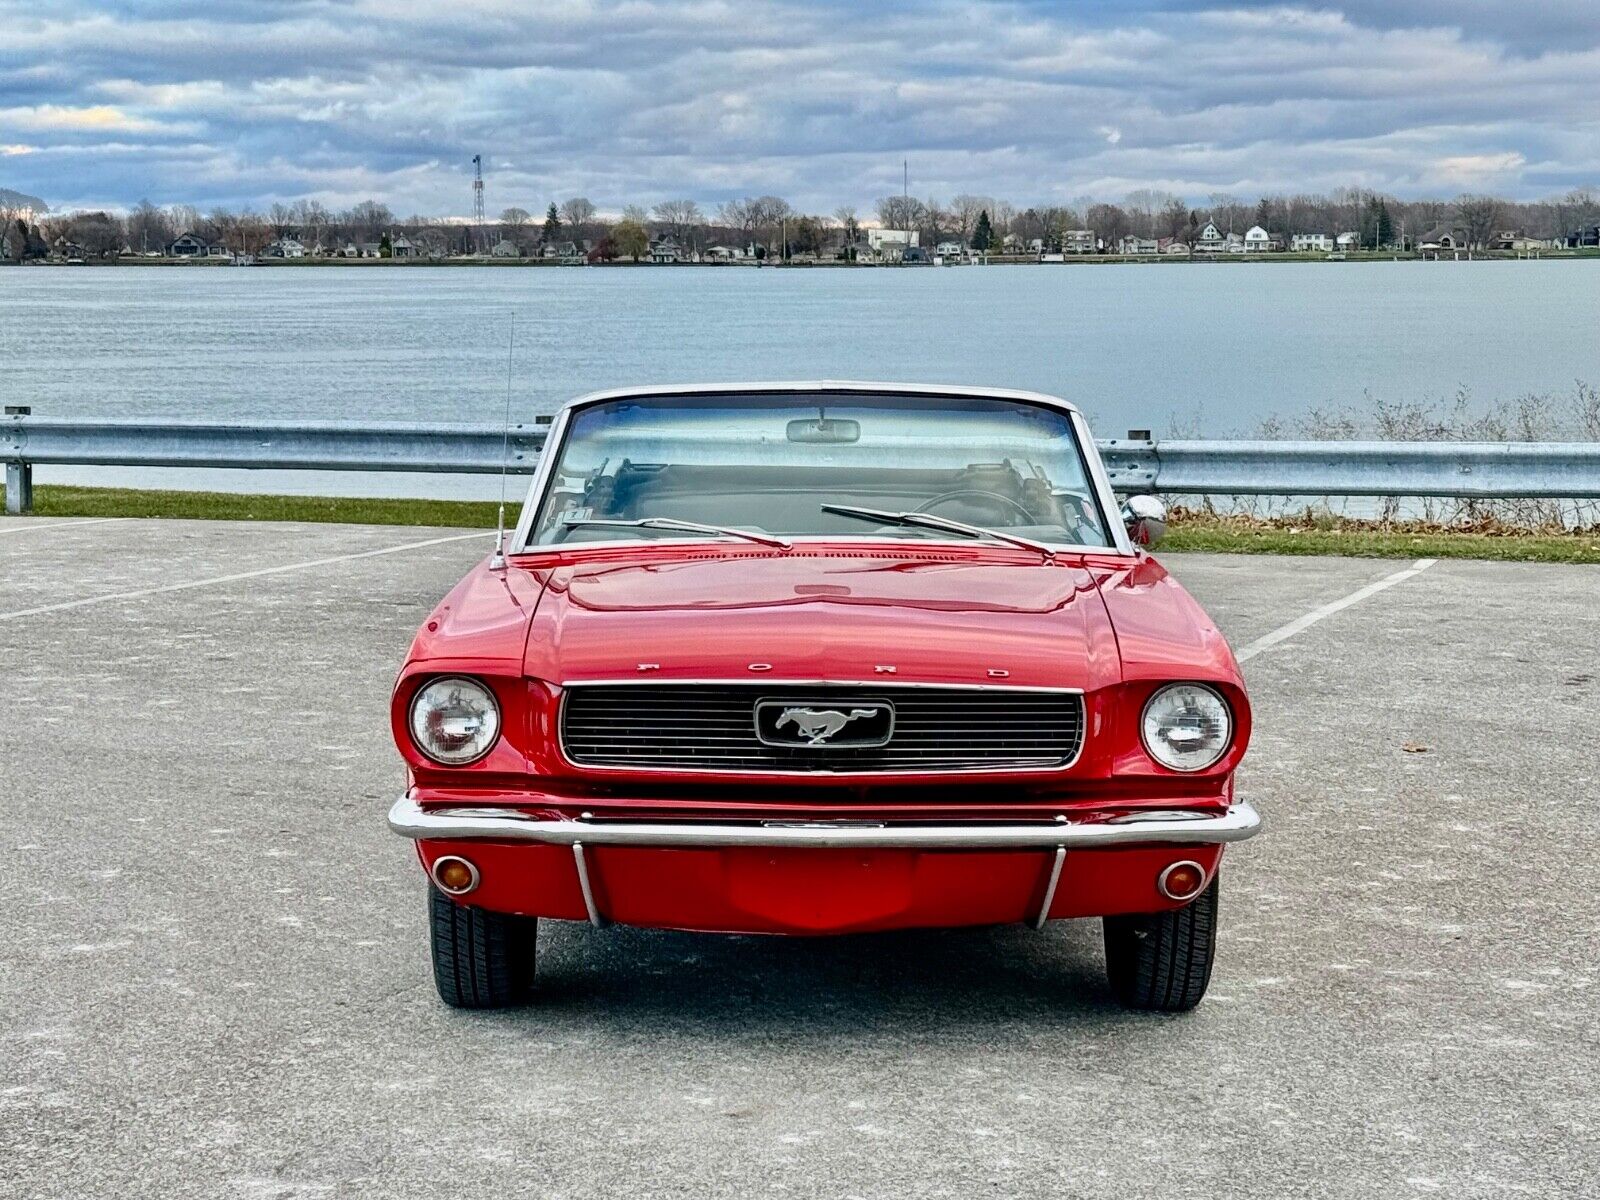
column 477, row 200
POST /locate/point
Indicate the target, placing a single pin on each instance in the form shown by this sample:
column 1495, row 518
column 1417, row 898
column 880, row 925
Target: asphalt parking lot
column 215, row 978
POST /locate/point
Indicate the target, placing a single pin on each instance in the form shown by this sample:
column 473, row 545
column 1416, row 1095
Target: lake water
column 1207, row 349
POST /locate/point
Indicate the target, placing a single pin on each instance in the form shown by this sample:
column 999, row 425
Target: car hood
column 942, row 616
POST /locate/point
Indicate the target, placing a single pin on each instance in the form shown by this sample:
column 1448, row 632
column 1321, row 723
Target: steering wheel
column 977, row 493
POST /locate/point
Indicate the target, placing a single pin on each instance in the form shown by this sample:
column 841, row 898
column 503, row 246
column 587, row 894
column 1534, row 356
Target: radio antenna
column 497, row 560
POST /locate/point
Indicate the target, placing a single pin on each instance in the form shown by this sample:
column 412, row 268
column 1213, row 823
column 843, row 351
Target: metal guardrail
column 1482, row 470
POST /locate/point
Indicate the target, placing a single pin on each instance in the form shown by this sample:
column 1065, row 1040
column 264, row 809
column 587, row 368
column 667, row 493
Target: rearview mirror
column 1146, row 519
column 832, row 431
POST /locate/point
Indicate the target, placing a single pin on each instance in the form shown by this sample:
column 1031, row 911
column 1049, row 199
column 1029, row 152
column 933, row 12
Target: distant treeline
column 771, row 225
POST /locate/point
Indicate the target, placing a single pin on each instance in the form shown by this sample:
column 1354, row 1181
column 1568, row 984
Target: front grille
column 712, row 727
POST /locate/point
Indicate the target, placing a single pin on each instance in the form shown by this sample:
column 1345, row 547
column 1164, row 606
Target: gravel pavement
column 213, row 960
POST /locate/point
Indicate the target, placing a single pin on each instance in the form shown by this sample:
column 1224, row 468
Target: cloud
column 244, row 101
column 98, row 119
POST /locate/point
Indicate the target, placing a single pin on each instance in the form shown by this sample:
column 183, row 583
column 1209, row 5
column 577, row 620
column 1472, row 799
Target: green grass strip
column 1187, row 532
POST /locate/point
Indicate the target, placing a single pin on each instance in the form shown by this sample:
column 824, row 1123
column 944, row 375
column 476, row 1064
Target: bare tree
column 97, row 234
column 1478, row 215
column 767, row 215
column 251, row 233
column 514, row 226
column 682, row 219
column 736, row 215
column 576, row 215
column 1173, row 219
column 1109, row 222
column 900, row 212
column 185, row 218
column 1225, row 210
column 314, row 220
column 369, row 219
column 845, row 215
column 964, row 210
column 148, row 228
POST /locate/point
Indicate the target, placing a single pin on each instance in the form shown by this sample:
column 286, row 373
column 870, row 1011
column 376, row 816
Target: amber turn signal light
column 1181, row 880
column 454, row 875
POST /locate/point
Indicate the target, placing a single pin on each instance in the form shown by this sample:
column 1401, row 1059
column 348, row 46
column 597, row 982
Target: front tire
column 481, row 959
column 1162, row 961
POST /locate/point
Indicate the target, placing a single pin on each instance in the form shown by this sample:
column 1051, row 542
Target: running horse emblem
column 817, row 725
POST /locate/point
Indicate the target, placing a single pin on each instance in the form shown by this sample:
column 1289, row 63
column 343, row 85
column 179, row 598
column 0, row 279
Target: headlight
column 1186, row 726
column 455, row 721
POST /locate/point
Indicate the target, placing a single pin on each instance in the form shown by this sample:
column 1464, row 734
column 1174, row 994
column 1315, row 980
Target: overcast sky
column 250, row 101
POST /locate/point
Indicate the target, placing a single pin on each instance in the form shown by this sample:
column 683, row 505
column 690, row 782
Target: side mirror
column 1146, row 519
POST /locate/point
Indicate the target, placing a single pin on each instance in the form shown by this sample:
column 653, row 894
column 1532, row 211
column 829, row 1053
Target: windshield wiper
column 764, row 539
column 929, row 521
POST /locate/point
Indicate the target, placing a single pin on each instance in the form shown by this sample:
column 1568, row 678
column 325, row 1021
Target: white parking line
column 30, row 527
column 1300, row 624
column 189, row 584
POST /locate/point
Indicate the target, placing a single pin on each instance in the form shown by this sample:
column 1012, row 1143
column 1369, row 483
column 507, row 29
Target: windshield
column 768, row 464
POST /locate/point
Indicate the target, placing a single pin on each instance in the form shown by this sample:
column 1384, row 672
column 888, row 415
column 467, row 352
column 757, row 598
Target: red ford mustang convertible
column 822, row 658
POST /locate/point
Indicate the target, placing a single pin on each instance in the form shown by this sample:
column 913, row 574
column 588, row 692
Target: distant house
column 189, row 245
column 665, row 249
column 1211, row 240
column 505, row 248
column 891, row 245
column 1444, row 239
column 1583, row 236
column 1138, row 245
column 720, row 254
column 1172, row 245
column 1257, row 240
column 1516, row 240
column 286, row 247
column 1078, row 241
column 949, row 249
column 404, row 247
column 1311, row 242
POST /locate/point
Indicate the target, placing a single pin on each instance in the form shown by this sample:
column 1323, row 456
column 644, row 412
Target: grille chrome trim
column 732, row 710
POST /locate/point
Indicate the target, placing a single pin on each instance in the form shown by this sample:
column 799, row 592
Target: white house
column 720, row 253
column 1257, row 240
column 665, row 249
column 286, row 247
column 892, row 243
column 1211, row 240
column 949, row 249
column 1308, row 242
column 505, row 248
column 1138, row 245
column 1348, row 241
column 1078, row 241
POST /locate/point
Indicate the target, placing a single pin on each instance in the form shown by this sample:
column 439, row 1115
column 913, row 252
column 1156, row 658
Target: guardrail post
column 19, row 474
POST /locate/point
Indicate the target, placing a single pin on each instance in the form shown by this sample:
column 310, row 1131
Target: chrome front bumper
column 1164, row 826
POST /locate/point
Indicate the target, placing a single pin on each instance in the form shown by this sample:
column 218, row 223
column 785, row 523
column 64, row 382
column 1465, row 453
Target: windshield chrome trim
column 1109, row 512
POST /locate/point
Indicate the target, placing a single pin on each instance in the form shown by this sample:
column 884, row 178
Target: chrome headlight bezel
column 469, row 690
column 1221, row 743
